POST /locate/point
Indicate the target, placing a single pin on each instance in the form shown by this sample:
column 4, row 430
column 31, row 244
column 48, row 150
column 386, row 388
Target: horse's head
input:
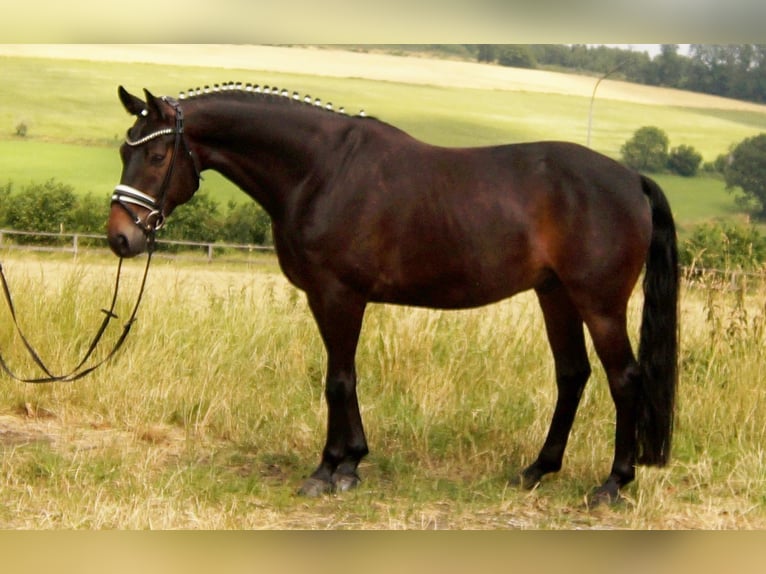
column 158, row 173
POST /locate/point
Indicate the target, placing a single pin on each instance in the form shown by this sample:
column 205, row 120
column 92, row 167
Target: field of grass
column 214, row 412
column 75, row 121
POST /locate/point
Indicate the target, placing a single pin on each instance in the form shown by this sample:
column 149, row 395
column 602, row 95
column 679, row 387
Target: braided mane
column 255, row 89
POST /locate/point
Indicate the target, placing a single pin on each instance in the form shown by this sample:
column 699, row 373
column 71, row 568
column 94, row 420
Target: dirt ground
column 376, row 66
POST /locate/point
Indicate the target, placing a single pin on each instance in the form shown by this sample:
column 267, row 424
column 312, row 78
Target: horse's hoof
column 527, row 479
column 524, row 482
column 345, row 482
column 314, row 487
column 603, row 496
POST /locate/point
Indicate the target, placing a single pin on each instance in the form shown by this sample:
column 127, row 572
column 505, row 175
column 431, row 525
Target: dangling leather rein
column 80, row 370
column 124, row 196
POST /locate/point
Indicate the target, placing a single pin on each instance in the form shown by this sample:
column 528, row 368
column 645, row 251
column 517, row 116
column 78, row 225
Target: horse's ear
column 156, row 105
column 134, row 106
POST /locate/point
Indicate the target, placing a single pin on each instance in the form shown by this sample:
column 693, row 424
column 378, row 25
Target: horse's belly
column 455, row 292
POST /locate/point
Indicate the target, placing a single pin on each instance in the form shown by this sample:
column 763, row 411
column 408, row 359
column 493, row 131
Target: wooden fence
column 76, row 243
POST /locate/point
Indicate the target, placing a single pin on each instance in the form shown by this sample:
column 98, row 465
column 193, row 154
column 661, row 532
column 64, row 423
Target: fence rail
column 76, row 243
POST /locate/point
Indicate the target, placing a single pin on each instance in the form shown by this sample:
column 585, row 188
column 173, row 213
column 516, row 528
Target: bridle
column 127, row 196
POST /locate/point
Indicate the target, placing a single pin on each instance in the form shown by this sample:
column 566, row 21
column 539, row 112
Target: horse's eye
column 156, row 159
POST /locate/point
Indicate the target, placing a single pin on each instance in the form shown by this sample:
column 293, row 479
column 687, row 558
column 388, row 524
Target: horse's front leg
column 339, row 314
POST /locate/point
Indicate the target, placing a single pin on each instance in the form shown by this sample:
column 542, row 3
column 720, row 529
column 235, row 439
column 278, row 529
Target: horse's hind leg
column 565, row 334
column 611, row 341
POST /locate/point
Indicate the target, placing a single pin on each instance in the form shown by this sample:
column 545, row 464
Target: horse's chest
column 292, row 260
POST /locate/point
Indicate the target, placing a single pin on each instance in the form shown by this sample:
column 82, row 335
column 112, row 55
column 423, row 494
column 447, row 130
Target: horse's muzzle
column 125, row 238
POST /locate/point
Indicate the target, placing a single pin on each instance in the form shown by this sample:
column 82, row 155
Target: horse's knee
column 339, row 388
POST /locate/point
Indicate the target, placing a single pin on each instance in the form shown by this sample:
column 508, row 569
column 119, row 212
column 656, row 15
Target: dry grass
column 377, row 66
column 213, row 413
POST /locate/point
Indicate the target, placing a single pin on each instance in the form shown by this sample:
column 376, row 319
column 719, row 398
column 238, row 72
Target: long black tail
column 658, row 347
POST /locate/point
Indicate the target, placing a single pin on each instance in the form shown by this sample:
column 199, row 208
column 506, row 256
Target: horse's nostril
column 119, row 244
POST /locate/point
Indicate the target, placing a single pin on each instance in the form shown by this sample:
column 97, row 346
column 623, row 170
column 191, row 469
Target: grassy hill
column 75, row 122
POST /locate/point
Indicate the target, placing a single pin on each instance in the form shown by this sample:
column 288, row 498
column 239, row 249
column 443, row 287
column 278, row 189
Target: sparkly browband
column 151, row 136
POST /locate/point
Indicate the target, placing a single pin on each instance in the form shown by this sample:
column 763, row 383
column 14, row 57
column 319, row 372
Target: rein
column 125, row 196
column 80, row 370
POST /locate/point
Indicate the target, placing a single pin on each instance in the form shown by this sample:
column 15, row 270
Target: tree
column 486, row 53
column 669, row 66
column 684, row 160
column 647, row 150
column 731, row 70
column 516, row 56
column 746, row 170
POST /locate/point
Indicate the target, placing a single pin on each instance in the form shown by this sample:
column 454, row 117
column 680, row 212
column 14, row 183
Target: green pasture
column 75, row 121
column 89, row 169
column 73, row 101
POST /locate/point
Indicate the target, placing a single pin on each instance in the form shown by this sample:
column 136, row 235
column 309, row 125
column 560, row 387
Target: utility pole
column 593, row 96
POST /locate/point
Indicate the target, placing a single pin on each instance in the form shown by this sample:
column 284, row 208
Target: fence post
column 209, row 252
column 74, row 245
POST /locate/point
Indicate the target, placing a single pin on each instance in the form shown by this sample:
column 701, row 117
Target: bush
column 199, row 219
column 41, row 207
column 54, row 207
column 90, row 214
column 647, row 150
column 5, row 194
column 724, row 247
column 247, row 223
column 684, row 160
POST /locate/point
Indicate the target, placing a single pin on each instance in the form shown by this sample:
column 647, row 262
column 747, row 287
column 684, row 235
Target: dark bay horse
column 362, row 212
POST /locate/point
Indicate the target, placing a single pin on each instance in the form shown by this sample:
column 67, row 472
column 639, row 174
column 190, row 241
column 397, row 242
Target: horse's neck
column 266, row 149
